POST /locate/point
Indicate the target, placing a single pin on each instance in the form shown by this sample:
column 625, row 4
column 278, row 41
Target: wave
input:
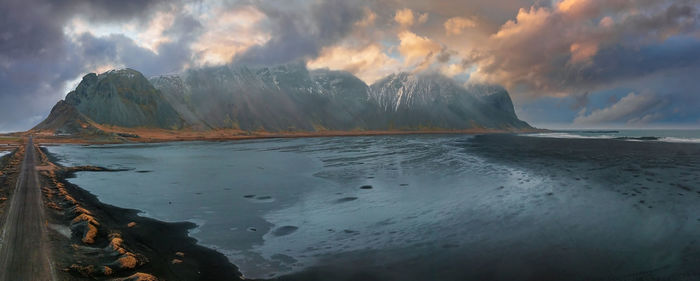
column 639, row 138
column 569, row 136
column 614, row 137
column 595, row 132
column 681, row 140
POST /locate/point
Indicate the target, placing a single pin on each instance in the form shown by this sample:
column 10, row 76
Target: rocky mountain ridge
column 283, row 98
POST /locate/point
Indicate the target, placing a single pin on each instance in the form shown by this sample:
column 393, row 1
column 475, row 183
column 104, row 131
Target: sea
column 560, row 205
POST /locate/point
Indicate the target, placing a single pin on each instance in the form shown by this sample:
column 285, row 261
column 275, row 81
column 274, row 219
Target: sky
column 566, row 63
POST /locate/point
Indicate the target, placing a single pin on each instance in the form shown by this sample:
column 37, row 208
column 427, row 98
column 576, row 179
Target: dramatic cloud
column 37, row 59
column 417, row 50
column 228, row 33
column 369, row 63
column 563, row 56
column 581, row 45
column 301, row 34
column 631, row 109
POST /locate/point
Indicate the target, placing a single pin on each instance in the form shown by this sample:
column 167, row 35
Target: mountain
column 123, row 98
column 280, row 98
column 65, row 119
column 436, row 101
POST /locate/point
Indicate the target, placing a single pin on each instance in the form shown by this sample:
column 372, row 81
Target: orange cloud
column 406, row 18
column 574, row 6
column 417, row 49
column 228, row 33
column 369, row 63
column 582, row 52
column 455, row 26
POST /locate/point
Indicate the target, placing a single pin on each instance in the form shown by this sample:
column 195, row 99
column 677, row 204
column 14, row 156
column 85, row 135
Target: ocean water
column 690, row 136
column 420, row 207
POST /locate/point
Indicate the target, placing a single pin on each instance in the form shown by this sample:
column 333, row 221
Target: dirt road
column 24, row 246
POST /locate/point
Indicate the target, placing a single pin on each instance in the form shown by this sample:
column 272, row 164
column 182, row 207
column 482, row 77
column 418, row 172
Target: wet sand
column 620, row 210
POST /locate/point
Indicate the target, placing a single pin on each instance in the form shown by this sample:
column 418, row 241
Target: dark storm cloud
column 301, row 33
column 30, row 86
column 117, row 49
column 109, row 10
column 36, row 59
column 619, row 63
column 35, row 27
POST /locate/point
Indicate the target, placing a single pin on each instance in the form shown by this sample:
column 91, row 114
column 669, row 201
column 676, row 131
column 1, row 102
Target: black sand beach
column 612, row 210
column 170, row 253
column 648, row 230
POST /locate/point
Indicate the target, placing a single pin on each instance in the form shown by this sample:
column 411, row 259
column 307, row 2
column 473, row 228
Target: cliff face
column 123, row 98
column 283, row 98
column 280, row 98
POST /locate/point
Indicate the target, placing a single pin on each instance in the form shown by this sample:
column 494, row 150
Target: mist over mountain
column 282, row 98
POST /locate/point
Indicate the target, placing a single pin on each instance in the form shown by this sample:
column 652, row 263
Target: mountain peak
column 122, row 97
column 287, row 98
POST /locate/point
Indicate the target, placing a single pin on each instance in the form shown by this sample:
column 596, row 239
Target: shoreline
column 160, row 249
column 489, row 145
column 95, row 240
column 123, row 135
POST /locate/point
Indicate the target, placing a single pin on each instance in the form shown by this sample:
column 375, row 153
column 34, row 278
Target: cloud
column 37, row 58
column 423, row 18
column 455, row 26
column 301, row 34
column 581, row 101
column 417, row 50
column 368, row 20
column 369, row 63
column 547, row 49
column 631, row 109
column 582, row 52
column 406, row 18
column 227, row 33
column 585, row 45
column 121, row 50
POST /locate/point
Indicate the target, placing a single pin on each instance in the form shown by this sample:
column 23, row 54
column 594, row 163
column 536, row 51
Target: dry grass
column 117, row 243
column 128, row 260
column 163, row 135
column 77, row 210
column 138, row 276
column 85, row 217
column 54, row 206
column 90, row 234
